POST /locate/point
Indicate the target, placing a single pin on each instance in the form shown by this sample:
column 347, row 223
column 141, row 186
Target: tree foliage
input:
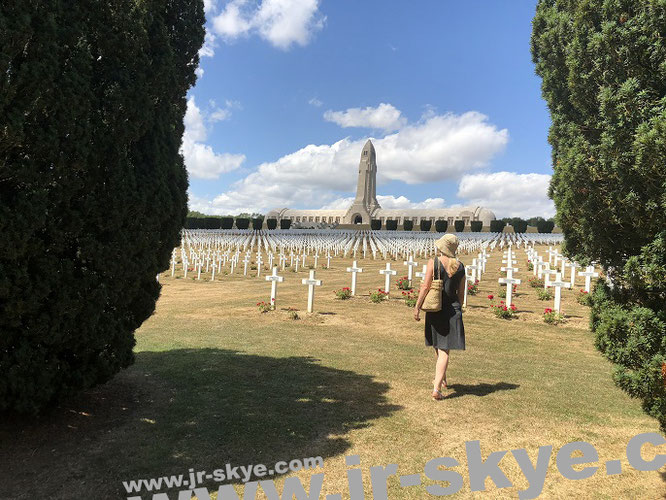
column 407, row 225
column 271, row 223
column 391, row 225
column 497, row 226
column 476, row 226
column 545, row 226
column 459, row 226
column 603, row 65
column 93, row 189
column 425, row 225
column 375, row 224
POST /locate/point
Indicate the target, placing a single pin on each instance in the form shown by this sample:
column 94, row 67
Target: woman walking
column 444, row 329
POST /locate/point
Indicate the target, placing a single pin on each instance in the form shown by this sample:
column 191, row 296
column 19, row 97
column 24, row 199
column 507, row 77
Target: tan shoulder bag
column 433, row 298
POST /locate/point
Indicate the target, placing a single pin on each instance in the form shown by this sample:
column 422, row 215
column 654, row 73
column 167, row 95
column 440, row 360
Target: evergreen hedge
column 242, row 223
column 459, row 225
column 227, row 223
column 391, row 225
column 604, row 80
column 407, row 225
column 271, row 223
column 93, row 189
column 476, row 226
column 285, row 223
column 375, row 224
column 257, row 223
column 441, row 226
column 545, row 226
column 519, row 225
column 497, row 226
column 426, row 225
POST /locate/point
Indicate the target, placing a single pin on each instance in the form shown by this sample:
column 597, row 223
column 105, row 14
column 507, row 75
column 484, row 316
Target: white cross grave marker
column 311, row 282
column 410, row 270
column 509, row 288
column 388, row 272
column 274, row 279
column 559, row 284
column 589, row 274
column 354, row 269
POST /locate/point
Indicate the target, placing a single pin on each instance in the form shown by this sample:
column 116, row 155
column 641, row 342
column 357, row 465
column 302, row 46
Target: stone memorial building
column 366, row 207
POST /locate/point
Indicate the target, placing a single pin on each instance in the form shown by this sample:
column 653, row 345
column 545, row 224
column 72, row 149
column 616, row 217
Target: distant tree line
column 496, row 226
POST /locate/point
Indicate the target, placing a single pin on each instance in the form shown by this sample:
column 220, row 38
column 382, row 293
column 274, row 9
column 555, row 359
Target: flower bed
column 410, row 297
column 403, row 283
column 584, row 298
column 473, row 288
column 503, row 311
column 343, row 293
column 544, row 294
column 264, row 306
column 378, row 296
column 552, row 317
column 535, row 282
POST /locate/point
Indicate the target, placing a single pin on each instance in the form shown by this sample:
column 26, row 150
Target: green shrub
column 257, row 223
column 375, row 224
column 496, row 226
column 553, row 317
column 476, row 226
column 271, row 223
column 425, row 225
column 285, row 223
column 535, row 282
column 545, row 226
column 242, row 223
column 441, row 226
column 407, row 225
column 378, row 296
column 391, row 225
column 459, row 225
column 519, row 225
column 227, row 222
column 93, row 189
column 544, row 294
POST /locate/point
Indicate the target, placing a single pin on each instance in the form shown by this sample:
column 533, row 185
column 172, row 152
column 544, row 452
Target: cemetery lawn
column 216, row 382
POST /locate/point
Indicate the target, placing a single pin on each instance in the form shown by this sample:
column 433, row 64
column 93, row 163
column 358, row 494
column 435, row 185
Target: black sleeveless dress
column 444, row 329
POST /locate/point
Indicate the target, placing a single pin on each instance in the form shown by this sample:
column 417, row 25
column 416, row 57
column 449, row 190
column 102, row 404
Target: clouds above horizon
column 509, row 194
column 436, row 148
column 282, row 23
column 384, row 117
column 201, row 160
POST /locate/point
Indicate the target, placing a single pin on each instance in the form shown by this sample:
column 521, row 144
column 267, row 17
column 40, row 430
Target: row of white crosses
column 509, row 281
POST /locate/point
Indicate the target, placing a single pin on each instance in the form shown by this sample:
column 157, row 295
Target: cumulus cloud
column 509, row 194
column 200, row 159
column 282, row 23
column 208, row 47
column 383, row 117
column 441, row 147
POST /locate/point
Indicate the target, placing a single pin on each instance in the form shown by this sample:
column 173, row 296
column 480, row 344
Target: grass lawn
column 216, row 382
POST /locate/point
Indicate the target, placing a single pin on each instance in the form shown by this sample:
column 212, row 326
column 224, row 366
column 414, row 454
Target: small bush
column 343, row 293
column 496, row 226
column 285, row 223
column 530, row 266
column 473, row 288
column 426, row 225
column 441, row 226
column 375, row 224
column 408, row 225
column 476, row 226
column 403, row 283
column 271, row 223
column 459, row 226
column 378, row 296
column 503, row 311
column 391, row 225
column 552, row 317
column 411, row 297
column 544, row 294
column 519, row 225
column 584, row 298
column 293, row 315
column 264, row 306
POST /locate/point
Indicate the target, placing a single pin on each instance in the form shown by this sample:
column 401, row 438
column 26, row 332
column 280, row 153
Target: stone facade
column 366, row 207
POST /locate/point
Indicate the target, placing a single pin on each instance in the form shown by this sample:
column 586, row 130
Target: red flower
column 491, row 296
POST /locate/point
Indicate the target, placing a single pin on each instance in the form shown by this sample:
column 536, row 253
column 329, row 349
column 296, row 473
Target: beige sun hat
column 448, row 244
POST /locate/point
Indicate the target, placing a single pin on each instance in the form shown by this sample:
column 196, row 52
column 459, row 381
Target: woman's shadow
column 481, row 389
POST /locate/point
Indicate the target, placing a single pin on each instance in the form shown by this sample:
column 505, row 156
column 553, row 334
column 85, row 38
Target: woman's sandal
column 437, row 395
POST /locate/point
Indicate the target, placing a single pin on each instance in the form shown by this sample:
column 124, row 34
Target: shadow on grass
column 187, row 408
column 482, row 389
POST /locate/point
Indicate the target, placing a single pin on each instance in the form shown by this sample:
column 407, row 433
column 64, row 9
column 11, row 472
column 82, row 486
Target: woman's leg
column 440, row 368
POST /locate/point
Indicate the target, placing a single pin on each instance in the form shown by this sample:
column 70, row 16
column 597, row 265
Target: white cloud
column 315, row 102
column 388, row 202
column 509, row 194
column 280, row 22
column 443, row 147
column 210, row 6
column 209, row 45
column 383, row 117
column 199, row 72
column 200, row 159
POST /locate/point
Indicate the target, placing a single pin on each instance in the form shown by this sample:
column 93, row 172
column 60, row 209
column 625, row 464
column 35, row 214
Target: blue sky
column 289, row 90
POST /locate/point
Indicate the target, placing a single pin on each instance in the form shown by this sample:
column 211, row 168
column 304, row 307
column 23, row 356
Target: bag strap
column 436, row 268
